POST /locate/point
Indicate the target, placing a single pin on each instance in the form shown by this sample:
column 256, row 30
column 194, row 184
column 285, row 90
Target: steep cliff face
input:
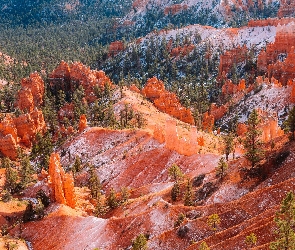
column 165, row 101
column 8, row 137
column 62, row 184
column 68, row 77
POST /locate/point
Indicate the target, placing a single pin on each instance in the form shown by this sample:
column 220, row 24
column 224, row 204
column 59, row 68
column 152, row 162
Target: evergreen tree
column 228, row 144
column 94, row 183
column 175, row 172
column 100, row 209
column 77, row 166
column 140, row 242
column 42, row 149
column 204, row 246
column 213, row 221
column 289, row 124
column 112, row 200
column 252, row 142
column 285, row 220
column 11, row 176
column 26, row 171
column 251, row 240
column 221, row 168
column 175, row 191
column 188, row 195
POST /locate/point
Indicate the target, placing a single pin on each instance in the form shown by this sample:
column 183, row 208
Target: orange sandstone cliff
column 165, row 101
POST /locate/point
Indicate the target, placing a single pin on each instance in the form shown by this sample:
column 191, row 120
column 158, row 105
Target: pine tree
column 11, row 176
column 204, row 246
column 289, row 124
column 175, row 191
column 252, row 142
column 94, row 183
column 213, row 221
column 100, row 209
column 251, row 240
column 188, row 195
column 175, row 172
column 140, row 243
column 228, row 144
column 221, row 168
column 285, row 220
column 112, row 200
column 26, row 171
column 77, row 166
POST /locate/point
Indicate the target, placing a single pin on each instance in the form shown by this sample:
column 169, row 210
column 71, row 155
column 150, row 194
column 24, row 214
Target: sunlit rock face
column 62, row 184
column 165, row 101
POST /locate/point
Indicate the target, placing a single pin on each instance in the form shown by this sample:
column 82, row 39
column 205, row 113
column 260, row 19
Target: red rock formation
column 231, row 57
column 28, row 125
column 62, row 184
column 174, row 9
column 272, row 60
column 268, row 126
column 61, row 71
column 153, row 88
column 22, row 129
column 241, row 129
column 208, row 122
column 69, row 77
column 218, row 112
column 185, row 50
column 270, row 22
column 25, row 100
column 283, row 71
column 31, row 93
column 36, row 84
column 8, row 146
column 134, row 88
column 115, row 48
column 287, row 8
column 82, row 123
column 165, row 101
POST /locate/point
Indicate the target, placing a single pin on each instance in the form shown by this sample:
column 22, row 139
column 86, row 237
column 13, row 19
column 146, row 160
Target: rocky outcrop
column 28, row 125
column 68, row 78
column 270, row 22
column 62, row 184
column 231, row 58
column 82, row 123
column 277, row 60
column 8, row 146
column 115, row 48
column 183, row 51
column 165, row 101
column 268, row 126
column 286, row 9
column 31, row 93
column 21, row 130
column 174, row 9
column 208, row 122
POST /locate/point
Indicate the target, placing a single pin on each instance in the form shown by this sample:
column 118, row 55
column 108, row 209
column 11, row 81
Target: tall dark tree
column 252, row 143
column 290, row 123
column 285, row 220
